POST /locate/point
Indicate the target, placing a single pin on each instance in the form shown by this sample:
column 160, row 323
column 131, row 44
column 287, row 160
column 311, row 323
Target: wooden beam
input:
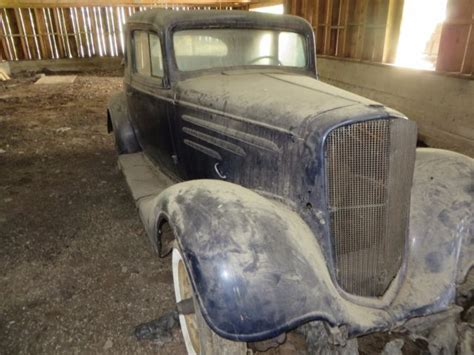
column 468, row 60
column 342, row 33
column 75, row 3
column 42, row 37
column 327, row 26
column 72, row 40
column 455, row 42
column 361, row 16
column 392, row 32
column 5, row 52
column 22, row 34
column 58, row 33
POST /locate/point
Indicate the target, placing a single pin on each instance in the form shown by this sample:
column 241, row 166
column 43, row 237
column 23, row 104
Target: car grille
column 369, row 170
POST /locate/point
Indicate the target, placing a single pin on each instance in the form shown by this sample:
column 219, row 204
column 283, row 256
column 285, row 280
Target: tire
column 198, row 337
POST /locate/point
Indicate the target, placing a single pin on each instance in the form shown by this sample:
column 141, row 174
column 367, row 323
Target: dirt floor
column 77, row 271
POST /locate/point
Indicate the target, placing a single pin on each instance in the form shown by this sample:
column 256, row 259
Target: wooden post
column 327, row 27
column 361, row 18
column 21, row 34
column 468, row 60
column 58, row 33
column 7, row 53
column 454, row 45
column 72, row 40
column 392, row 31
column 41, row 27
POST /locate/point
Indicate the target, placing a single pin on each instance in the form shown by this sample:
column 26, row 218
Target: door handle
column 219, row 173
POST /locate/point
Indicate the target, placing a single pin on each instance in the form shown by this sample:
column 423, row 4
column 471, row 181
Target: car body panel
column 257, row 246
column 118, row 121
column 258, row 269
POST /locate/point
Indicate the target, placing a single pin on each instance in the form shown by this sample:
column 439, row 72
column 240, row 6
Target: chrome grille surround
column 369, row 170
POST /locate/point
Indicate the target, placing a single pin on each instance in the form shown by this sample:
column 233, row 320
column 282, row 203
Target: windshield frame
column 308, row 38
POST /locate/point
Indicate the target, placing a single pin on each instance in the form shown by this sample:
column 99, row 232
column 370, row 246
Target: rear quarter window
column 141, row 53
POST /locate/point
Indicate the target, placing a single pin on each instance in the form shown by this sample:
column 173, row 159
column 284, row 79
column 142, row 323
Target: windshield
column 221, row 48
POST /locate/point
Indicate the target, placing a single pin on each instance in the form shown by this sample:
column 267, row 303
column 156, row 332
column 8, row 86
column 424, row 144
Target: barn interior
column 78, row 274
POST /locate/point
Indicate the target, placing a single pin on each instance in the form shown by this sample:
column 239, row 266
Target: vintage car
column 283, row 201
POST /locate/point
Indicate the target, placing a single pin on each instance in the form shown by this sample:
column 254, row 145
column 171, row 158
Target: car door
column 150, row 99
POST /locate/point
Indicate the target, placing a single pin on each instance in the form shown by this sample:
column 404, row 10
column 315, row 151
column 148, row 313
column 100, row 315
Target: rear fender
column 118, row 121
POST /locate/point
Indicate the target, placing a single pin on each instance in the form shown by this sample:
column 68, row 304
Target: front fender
column 255, row 265
column 441, row 243
column 258, row 270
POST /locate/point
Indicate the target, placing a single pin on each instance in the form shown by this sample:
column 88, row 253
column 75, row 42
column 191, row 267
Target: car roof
column 167, row 18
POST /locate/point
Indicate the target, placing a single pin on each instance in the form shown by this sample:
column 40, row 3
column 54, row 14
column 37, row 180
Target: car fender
column 440, row 243
column 118, row 121
column 442, row 211
column 256, row 267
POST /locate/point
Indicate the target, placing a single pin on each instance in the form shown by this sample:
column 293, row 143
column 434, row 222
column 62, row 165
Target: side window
column 156, row 56
column 141, row 52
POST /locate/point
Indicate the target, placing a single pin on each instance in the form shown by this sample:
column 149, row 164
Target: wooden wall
column 346, row 28
column 28, row 33
column 369, row 30
column 456, row 47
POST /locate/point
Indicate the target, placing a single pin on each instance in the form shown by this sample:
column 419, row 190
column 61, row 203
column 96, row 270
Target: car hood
column 283, row 100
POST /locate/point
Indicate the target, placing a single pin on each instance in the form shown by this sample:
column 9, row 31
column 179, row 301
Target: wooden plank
column 101, row 30
column 6, row 37
column 452, row 46
column 455, row 42
column 79, row 3
column 303, row 8
column 341, row 28
column 62, row 18
column 468, row 60
column 113, row 21
column 375, row 22
column 41, row 29
column 5, row 51
column 81, row 50
column 309, row 10
column 327, row 26
column 361, row 15
column 392, row 32
column 120, row 29
column 95, row 31
column 57, row 32
column 108, row 47
column 72, row 40
column 51, row 32
column 32, row 35
column 294, row 7
column 87, row 31
column 21, row 32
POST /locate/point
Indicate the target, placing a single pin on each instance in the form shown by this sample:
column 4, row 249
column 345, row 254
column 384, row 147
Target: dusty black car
column 285, row 202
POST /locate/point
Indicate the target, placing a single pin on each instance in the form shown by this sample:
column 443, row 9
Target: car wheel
column 198, row 337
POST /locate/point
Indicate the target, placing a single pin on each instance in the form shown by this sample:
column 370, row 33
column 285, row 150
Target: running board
column 143, row 178
column 146, row 182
